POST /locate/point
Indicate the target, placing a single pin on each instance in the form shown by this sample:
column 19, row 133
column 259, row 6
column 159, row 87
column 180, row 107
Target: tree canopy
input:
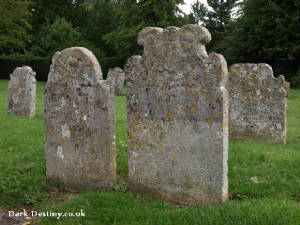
column 14, row 26
column 243, row 31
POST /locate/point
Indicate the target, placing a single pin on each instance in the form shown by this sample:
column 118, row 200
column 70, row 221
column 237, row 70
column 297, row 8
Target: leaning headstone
column 21, row 92
column 116, row 78
column 258, row 103
column 80, row 123
column 177, row 107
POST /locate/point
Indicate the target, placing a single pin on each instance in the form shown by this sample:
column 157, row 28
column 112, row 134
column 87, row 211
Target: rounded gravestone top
column 75, row 63
column 23, row 70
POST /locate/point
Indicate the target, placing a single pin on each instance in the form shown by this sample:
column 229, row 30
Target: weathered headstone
column 258, row 103
column 80, row 123
column 177, row 107
column 21, row 92
column 116, row 78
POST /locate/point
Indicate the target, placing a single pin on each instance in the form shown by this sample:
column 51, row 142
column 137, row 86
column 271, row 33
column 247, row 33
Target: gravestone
column 116, row 78
column 177, row 107
column 80, row 123
column 21, row 92
column 258, row 103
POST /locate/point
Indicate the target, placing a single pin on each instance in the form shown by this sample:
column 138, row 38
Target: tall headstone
column 21, row 92
column 177, row 107
column 80, row 122
column 116, row 78
column 258, row 103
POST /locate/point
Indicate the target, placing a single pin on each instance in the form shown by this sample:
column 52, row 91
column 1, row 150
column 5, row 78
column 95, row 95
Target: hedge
column 42, row 65
column 38, row 64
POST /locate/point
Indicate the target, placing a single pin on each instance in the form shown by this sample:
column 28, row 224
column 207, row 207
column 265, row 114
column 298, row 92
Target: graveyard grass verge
column 263, row 179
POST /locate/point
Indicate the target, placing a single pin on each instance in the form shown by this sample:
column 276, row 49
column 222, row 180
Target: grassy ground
column 264, row 182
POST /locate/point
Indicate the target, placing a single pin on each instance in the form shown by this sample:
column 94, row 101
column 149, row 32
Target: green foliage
column 295, row 80
column 267, row 31
column 55, row 37
column 22, row 164
column 199, row 12
column 14, row 26
column 40, row 65
column 46, row 12
column 121, row 188
column 134, row 16
column 58, row 36
column 215, row 18
column 103, row 19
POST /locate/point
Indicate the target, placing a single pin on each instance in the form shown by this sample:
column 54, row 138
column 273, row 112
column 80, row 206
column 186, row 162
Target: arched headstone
column 116, row 78
column 21, row 92
column 80, row 122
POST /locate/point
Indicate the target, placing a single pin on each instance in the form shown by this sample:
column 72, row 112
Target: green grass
column 274, row 199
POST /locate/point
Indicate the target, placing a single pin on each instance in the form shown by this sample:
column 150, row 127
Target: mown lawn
column 264, row 182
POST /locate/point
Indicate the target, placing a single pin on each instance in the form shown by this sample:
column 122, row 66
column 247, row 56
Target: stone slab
column 258, row 103
column 177, row 107
column 80, row 122
column 21, row 92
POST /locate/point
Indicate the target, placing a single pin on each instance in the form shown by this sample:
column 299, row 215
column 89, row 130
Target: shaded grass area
column 264, row 179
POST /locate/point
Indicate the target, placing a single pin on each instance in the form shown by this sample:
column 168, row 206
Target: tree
column 58, row 36
column 199, row 12
column 215, row 18
column 46, row 12
column 267, row 31
column 102, row 19
column 14, row 26
column 134, row 16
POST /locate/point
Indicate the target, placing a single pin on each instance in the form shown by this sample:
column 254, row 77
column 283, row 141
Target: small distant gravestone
column 21, row 92
column 116, row 78
column 177, row 107
column 258, row 103
column 80, row 122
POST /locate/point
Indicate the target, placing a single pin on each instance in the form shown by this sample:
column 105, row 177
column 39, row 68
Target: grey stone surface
column 116, row 78
column 21, row 92
column 287, row 87
column 177, row 107
column 80, row 122
column 258, row 103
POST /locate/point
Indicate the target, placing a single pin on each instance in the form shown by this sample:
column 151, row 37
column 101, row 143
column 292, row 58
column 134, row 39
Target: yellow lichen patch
column 165, row 85
column 170, row 115
column 180, row 110
column 202, row 91
column 64, row 144
column 165, row 172
column 91, row 63
column 254, row 79
column 160, row 105
column 196, row 95
column 210, row 121
column 173, row 158
column 90, row 138
column 194, row 109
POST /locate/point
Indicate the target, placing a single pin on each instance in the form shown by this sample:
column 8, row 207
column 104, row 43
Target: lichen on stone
column 258, row 103
column 80, row 122
column 177, row 108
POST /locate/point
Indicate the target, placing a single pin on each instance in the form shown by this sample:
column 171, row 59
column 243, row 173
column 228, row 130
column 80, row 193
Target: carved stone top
column 251, row 77
column 160, row 45
column 178, row 52
column 72, row 62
